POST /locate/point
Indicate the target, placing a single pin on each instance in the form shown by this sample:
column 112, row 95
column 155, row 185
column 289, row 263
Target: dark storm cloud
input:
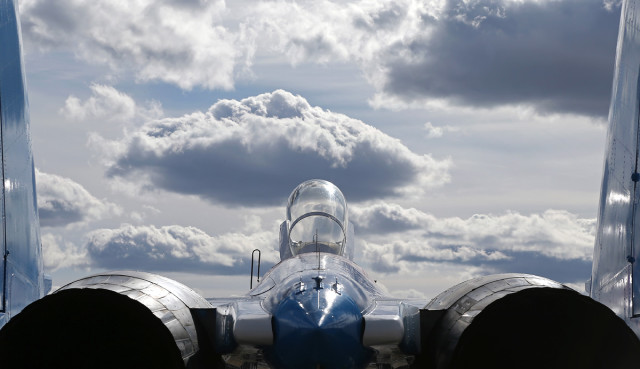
column 254, row 151
column 557, row 56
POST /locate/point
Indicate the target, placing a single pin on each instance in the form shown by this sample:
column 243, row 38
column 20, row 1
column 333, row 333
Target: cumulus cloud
column 171, row 248
column 177, row 248
column 554, row 55
column 252, row 152
column 107, row 103
column 383, row 218
column 405, row 255
column 183, row 43
column 554, row 233
column 62, row 202
column 58, row 253
column 555, row 243
column 391, row 240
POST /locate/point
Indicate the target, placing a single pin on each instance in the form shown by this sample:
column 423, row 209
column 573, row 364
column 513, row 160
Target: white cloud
column 253, row 151
column 433, row 131
column 182, row 43
column 554, row 233
column 58, row 253
column 396, row 239
column 383, row 218
column 484, row 53
column 177, row 248
column 436, row 132
column 171, row 248
column 106, row 103
column 406, row 255
column 62, row 202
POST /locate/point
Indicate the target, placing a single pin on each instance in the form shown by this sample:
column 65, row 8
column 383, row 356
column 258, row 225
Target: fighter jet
column 317, row 308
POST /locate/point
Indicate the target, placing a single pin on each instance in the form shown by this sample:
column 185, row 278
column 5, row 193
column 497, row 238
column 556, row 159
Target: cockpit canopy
column 317, row 218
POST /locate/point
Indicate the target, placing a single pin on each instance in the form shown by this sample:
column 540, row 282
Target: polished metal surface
column 167, row 299
column 297, row 274
column 305, row 307
column 616, row 259
column 384, row 325
column 252, row 325
column 21, row 269
column 318, row 302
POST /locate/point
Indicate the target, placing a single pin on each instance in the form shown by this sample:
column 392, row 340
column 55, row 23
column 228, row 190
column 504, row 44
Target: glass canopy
column 317, row 214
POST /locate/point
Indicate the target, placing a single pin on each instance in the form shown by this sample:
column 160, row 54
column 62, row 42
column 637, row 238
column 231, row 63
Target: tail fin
column 21, row 267
column 615, row 279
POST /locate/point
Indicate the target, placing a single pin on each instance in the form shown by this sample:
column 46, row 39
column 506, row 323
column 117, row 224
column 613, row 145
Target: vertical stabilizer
column 615, row 279
column 21, row 269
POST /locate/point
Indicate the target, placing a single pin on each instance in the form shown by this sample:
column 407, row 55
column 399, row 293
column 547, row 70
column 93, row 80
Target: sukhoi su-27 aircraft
column 316, row 308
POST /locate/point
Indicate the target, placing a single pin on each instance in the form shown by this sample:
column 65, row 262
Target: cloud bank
column 160, row 249
column 556, row 56
column 176, row 248
column 391, row 240
column 556, row 243
column 252, row 152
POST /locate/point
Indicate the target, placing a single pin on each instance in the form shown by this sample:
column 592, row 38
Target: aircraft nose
column 318, row 329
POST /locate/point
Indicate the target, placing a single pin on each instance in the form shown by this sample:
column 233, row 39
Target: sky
column 466, row 135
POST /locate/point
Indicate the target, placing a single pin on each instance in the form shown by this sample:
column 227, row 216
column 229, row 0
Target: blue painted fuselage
column 317, row 301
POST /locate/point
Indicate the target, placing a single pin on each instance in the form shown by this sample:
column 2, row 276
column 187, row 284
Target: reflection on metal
column 168, row 300
column 251, row 279
column 635, row 283
column 21, row 252
column 616, row 274
column 3, row 228
column 320, row 309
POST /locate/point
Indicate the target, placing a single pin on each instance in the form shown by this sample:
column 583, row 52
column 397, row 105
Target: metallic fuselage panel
column 615, row 273
column 297, row 274
column 22, row 278
column 317, row 301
